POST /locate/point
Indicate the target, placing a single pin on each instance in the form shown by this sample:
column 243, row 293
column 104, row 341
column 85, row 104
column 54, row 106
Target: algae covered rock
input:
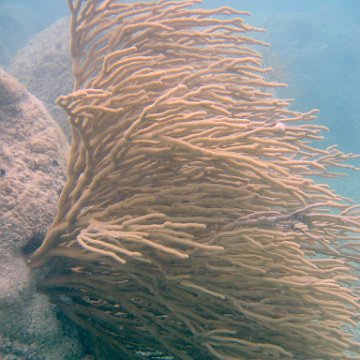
column 32, row 166
column 32, row 163
column 44, row 66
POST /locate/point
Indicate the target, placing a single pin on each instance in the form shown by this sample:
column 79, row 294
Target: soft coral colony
column 191, row 224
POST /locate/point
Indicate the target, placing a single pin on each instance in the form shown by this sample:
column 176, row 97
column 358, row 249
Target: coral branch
column 191, row 224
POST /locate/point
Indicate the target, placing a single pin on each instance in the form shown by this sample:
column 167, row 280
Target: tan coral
column 190, row 224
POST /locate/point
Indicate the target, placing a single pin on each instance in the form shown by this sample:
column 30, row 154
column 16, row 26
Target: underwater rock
column 32, row 165
column 44, row 66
